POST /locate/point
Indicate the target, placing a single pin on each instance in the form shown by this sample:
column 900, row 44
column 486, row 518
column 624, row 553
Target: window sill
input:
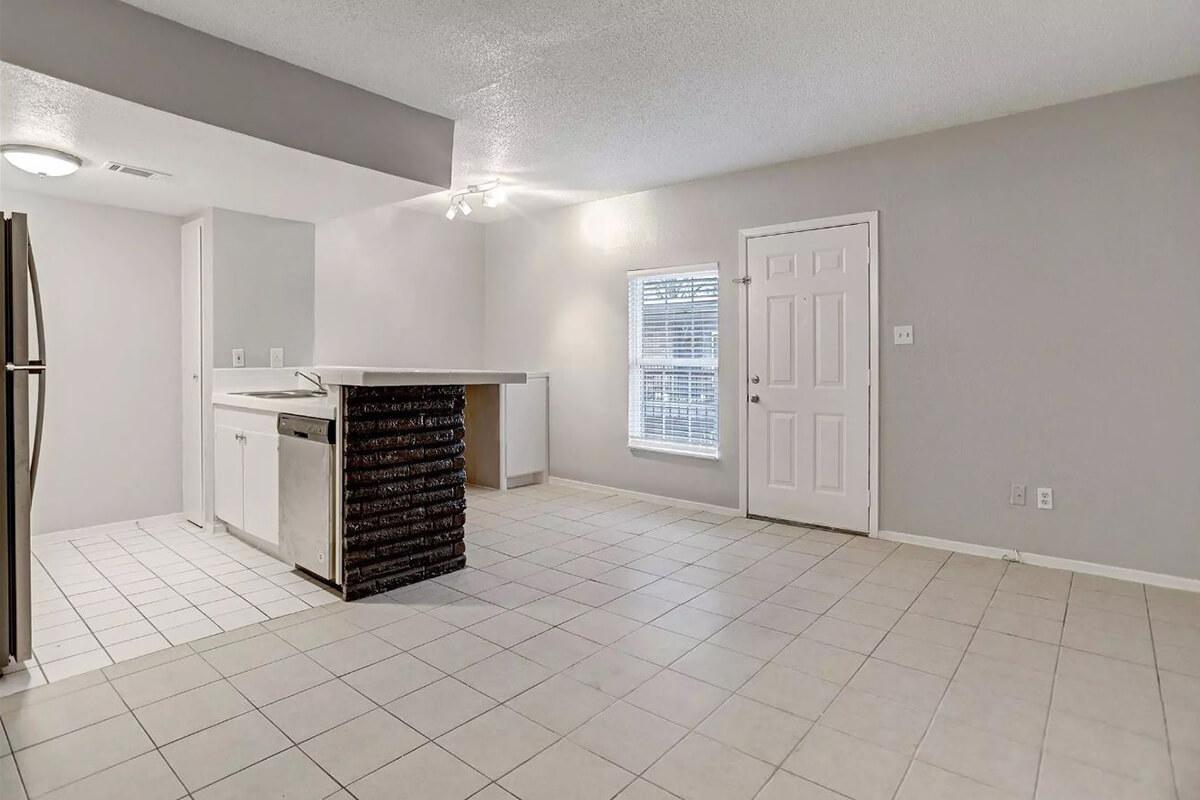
column 667, row 449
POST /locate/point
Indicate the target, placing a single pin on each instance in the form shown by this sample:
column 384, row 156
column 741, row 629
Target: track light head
column 491, row 194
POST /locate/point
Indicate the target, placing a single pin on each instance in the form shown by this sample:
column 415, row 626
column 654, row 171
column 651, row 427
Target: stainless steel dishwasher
column 306, row 478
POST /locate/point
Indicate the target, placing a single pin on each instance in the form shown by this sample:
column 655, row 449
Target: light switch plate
column 276, row 357
column 1016, row 494
column 902, row 334
column 239, row 357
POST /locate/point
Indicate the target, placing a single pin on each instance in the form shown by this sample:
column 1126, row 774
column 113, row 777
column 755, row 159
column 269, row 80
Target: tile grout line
column 554, row 672
column 949, row 681
column 1041, row 757
column 795, row 637
column 868, row 657
column 119, row 591
column 164, row 540
column 1161, row 698
column 562, row 672
column 13, row 755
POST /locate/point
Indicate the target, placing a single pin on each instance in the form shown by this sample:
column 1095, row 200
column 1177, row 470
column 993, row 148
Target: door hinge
column 743, row 280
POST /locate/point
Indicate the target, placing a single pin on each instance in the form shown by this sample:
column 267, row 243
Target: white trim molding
column 649, row 498
column 103, row 528
column 1052, row 562
column 871, row 219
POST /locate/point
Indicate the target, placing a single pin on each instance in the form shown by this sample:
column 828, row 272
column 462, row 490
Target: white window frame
column 653, row 445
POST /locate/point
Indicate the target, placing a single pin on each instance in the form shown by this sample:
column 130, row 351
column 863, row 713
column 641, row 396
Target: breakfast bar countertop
column 403, row 376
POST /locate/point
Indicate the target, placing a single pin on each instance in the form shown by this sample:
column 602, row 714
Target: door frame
column 871, row 219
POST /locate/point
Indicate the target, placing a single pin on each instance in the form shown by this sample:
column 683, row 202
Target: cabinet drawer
column 245, row 420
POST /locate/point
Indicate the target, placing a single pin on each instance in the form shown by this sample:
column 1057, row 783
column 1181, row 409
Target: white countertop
column 399, row 376
column 323, row 407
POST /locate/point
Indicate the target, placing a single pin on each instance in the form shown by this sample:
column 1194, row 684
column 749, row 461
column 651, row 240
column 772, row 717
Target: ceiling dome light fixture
column 43, row 161
column 491, row 194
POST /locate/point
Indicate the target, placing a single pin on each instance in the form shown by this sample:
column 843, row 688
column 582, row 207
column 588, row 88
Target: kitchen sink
column 284, row 394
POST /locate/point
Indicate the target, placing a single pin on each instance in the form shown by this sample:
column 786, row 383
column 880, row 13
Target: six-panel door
column 808, row 344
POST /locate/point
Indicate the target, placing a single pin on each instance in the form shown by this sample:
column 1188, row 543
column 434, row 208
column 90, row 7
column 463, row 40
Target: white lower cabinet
column 507, row 433
column 526, row 430
column 260, row 485
column 227, row 467
column 246, row 472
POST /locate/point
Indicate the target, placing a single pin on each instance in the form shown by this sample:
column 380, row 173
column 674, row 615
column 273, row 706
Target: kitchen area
column 356, row 475
column 303, row 485
column 362, row 481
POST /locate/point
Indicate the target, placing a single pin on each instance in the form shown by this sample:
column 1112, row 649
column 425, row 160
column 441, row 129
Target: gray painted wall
column 399, row 288
column 123, row 51
column 110, row 289
column 263, row 288
column 1050, row 263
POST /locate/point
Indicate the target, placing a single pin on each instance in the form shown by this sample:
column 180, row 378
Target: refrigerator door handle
column 40, row 324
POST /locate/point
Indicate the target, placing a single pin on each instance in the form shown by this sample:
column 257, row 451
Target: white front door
column 193, row 381
column 808, row 359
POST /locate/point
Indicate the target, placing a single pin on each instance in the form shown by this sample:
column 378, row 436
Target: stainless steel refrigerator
column 24, row 366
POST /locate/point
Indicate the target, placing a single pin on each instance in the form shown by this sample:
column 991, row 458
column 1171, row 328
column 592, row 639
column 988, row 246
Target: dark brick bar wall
column 404, row 486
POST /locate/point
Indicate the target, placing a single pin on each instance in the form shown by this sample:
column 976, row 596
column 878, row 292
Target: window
column 673, row 360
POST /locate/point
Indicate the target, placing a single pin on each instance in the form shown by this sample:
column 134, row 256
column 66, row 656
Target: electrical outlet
column 902, row 334
column 276, row 357
column 1016, row 494
column 239, row 357
column 1045, row 498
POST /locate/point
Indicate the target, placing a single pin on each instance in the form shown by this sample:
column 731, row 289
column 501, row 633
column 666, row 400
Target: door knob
column 753, row 398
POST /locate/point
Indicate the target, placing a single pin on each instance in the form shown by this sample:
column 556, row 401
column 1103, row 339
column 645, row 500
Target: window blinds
column 673, row 360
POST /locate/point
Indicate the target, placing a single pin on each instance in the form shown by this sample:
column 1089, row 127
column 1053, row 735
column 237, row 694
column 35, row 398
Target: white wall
column 1049, row 263
column 263, row 284
column 399, row 288
column 110, row 288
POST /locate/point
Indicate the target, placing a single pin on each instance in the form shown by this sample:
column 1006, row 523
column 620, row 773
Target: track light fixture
column 491, row 195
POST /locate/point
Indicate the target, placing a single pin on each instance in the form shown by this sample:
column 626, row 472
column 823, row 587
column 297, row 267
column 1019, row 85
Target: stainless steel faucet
column 314, row 381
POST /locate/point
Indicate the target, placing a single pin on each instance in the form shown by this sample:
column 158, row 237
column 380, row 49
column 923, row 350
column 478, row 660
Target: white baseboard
column 969, row 548
column 649, row 498
column 105, row 527
column 1053, row 562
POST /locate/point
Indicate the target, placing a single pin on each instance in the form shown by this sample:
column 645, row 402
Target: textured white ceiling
column 574, row 99
column 209, row 166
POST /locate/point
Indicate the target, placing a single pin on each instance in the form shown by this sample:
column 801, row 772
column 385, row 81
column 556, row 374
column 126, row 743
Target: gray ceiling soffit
column 123, row 51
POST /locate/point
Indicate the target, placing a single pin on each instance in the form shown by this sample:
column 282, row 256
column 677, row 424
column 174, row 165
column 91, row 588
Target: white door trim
column 871, row 218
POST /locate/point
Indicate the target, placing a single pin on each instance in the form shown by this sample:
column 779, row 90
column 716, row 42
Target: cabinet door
column 260, row 487
column 525, row 431
column 227, row 475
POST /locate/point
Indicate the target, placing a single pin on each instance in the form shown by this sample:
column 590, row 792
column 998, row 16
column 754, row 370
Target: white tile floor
column 602, row 647
column 112, row 593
